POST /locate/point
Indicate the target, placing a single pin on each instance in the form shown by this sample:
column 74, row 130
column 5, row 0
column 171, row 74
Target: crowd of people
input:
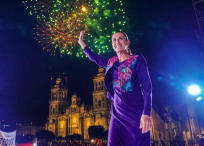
column 92, row 142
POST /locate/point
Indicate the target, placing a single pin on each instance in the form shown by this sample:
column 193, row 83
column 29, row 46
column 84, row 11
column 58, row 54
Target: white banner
column 7, row 138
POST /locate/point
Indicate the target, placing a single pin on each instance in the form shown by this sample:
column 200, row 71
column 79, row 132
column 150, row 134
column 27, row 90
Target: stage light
column 199, row 98
column 194, row 90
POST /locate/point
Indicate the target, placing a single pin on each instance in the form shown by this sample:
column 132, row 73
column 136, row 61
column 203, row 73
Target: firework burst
column 62, row 33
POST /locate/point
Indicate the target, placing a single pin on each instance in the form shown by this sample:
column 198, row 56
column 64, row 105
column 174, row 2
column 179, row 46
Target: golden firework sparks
column 62, row 32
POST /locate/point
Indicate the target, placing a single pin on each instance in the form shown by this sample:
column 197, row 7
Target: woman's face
column 119, row 42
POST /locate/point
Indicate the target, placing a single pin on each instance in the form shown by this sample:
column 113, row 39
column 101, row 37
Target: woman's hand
column 80, row 41
column 145, row 123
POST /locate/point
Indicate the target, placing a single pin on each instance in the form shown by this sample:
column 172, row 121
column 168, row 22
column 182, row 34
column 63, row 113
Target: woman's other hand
column 145, row 123
column 80, row 41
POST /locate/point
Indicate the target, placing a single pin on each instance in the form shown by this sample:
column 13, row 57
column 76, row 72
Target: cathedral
column 75, row 118
column 175, row 125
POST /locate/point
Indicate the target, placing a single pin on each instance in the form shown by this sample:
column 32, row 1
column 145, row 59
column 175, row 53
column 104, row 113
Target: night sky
column 163, row 31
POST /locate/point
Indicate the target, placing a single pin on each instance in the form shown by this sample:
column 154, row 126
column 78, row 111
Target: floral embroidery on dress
column 124, row 73
column 111, row 62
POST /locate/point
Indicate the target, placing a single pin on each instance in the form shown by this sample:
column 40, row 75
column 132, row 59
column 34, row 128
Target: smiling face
column 119, row 42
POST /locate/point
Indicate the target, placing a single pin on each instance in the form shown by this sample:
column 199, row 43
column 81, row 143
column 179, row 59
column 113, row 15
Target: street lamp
column 197, row 93
column 92, row 140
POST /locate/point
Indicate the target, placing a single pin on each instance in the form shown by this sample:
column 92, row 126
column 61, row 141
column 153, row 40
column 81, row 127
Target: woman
column 129, row 87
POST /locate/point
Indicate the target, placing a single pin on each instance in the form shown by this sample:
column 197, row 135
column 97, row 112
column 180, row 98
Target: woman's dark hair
column 123, row 34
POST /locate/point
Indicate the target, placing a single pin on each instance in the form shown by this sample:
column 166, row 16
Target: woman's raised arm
column 98, row 59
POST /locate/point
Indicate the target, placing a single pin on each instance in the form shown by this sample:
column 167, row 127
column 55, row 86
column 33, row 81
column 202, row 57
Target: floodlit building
column 75, row 118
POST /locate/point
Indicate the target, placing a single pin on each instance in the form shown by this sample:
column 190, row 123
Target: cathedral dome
column 58, row 81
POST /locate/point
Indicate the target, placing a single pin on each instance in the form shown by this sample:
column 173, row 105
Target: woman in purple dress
column 129, row 87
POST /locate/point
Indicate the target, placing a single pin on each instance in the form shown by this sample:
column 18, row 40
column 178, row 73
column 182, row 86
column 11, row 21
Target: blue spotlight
column 194, row 90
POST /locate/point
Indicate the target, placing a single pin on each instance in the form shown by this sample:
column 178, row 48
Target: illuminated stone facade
column 176, row 124
column 75, row 118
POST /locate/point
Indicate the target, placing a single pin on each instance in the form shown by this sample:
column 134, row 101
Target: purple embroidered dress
column 129, row 87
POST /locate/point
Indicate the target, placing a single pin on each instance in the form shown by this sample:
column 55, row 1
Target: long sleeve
column 145, row 84
column 100, row 60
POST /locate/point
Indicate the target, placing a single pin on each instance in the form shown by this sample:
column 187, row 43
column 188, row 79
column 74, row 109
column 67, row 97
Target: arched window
column 51, row 110
column 160, row 135
column 102, row 85
column 56, row 109
column 96, row 85
column 99, row 104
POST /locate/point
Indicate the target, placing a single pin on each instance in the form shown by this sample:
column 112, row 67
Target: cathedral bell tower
column 57, row 104
column 101, row 104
